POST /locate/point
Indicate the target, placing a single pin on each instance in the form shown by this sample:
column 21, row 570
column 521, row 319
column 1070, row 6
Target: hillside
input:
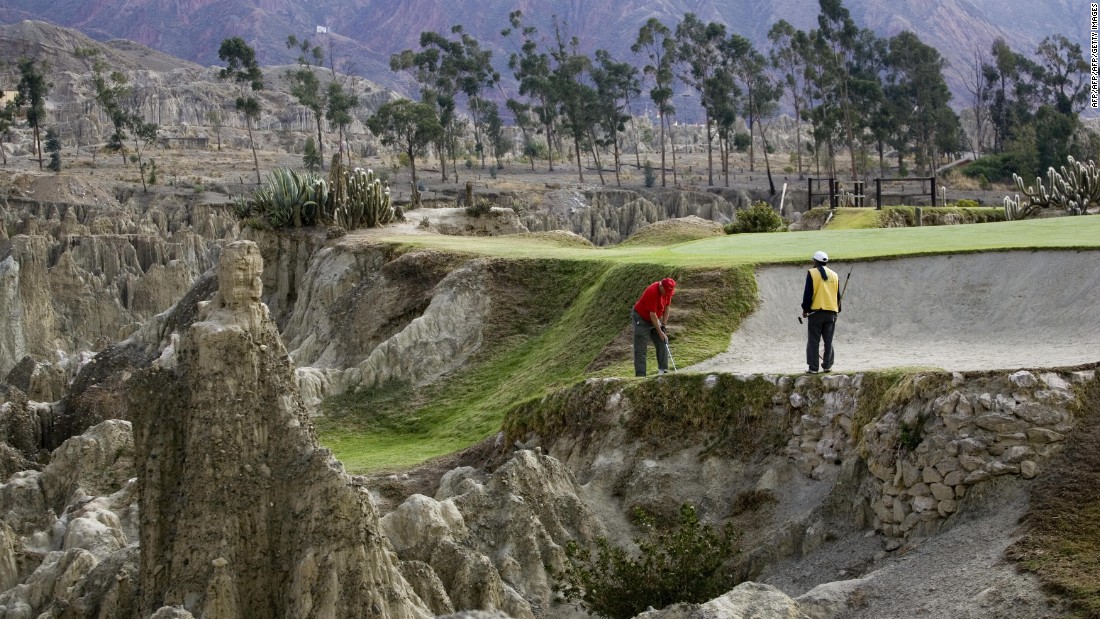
column 366, row 33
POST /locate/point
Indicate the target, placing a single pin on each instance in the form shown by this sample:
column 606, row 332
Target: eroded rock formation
column 243, row 514
column 76, row 277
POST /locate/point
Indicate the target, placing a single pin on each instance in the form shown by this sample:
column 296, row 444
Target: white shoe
column 662, row 371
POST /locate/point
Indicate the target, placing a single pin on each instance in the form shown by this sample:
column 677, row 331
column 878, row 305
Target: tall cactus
column 1073, row 189
column 338, row 189
column 366, row 202
column 1078, row 187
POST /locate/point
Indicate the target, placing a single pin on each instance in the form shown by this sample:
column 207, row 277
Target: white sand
column 1002, row 310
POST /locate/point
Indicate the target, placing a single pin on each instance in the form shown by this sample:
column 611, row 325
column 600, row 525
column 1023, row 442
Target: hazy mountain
column 366, row 32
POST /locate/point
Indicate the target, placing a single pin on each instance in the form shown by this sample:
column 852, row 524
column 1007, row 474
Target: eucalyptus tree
column 306, row 86
column 762, row 104
column 699, row 50
column 142, row 135
column 1065, row 74
column 656, row 41
column 748, row 67
column 575, row 97
column 30, row 96
column 836, row 46
column 474, row 73
column 789, row 50
column 409, row 127
column 111, row 91
column 1064, row 90
column 920, row 97
column 531, row 66
column 437, row 89
column 616, row 83
column 526, row 122
column 1015, row 92
column 724, row 94
column 242, row 69
column 339, row 102
column 499, row 142
column 446, row 68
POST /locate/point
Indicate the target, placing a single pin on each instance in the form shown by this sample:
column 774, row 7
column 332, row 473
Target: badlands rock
column 242, row 513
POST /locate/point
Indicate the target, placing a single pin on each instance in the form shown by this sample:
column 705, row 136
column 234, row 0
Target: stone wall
column 906, row 449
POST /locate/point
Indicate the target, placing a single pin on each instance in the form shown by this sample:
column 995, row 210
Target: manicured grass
column 854, row 219
column 558, row 305
column 786, row 247
column 395, row 426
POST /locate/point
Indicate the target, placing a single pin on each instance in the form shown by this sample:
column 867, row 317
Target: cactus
column 338, row 189
column 367, row 203
column 1073, row 189
column 1013, row 210
column 1078, row 187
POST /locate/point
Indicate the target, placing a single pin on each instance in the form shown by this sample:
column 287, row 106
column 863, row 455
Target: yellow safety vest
column 825, row 291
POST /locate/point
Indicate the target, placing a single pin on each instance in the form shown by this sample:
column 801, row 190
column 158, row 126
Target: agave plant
column 289, row 198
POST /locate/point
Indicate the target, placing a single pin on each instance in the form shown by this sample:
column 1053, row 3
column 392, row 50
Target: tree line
column 859, row 96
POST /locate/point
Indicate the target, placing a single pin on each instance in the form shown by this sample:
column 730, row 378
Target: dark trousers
column 821, row 326
column 644, row 332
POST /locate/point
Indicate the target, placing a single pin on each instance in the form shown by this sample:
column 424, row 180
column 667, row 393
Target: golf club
column 668, row 349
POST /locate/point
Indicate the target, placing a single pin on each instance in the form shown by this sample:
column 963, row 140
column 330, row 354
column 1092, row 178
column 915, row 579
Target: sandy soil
column 1001, row 310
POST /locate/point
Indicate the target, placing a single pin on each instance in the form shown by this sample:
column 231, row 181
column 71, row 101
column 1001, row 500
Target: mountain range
column 364, row 33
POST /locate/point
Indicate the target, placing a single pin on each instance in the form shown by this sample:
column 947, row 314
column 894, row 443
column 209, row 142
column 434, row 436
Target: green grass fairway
column 589, row 291
column 787, row 247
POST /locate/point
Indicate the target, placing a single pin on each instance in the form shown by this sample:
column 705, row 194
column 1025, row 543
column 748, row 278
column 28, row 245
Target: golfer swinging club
column 820, row 305
column 650, row 316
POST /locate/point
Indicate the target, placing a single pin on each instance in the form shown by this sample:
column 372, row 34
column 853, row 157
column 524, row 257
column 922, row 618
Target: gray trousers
column 645, row 332
column 821, row 326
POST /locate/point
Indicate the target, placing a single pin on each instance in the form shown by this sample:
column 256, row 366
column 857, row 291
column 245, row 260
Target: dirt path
column 984, row 311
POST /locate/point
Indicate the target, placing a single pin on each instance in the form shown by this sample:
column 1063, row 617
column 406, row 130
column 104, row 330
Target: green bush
column 648, row 174
column 682, row 564
column 966, row 204
column 53, row 147
column 311, row 157
column 741, row 142
column 999, row 168
column 760, row 217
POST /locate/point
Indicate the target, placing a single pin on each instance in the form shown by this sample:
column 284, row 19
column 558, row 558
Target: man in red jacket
column 650, row 315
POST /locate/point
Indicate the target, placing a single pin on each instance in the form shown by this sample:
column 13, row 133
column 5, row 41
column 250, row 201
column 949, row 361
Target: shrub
column 648, row 174
column 311, row 157
column 998, row 168
column 967, row 203
column 682, row 564
column 741, row 142
column 53, row 147
column 479, row 208
column 760, row 217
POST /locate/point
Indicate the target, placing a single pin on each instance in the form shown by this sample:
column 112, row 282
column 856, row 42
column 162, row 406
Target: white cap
column 821, row 256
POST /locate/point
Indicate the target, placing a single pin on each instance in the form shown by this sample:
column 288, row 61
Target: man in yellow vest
column 820, row 305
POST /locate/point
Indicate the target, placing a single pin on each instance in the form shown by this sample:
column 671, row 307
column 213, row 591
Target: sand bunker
column 1002, row 310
